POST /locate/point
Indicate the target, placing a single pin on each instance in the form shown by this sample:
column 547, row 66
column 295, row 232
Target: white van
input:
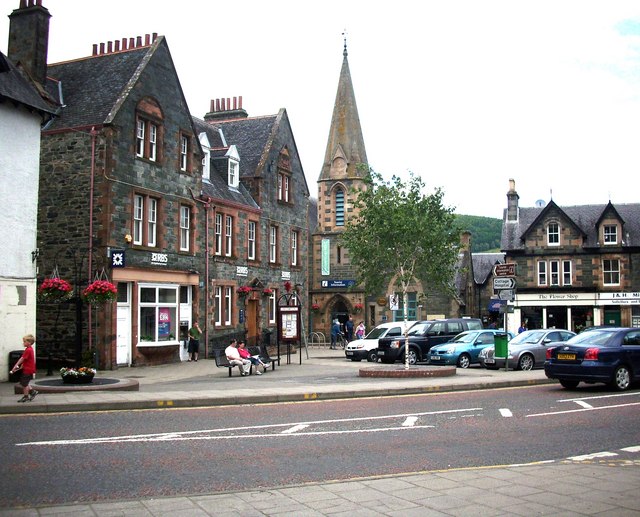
column 367, row 348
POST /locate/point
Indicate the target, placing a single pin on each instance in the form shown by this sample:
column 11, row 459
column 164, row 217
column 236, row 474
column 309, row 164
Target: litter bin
column 13, row 359
column 500, row 342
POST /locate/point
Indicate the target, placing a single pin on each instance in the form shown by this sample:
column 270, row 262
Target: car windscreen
column 376, row 333
column 465, row 337
column 593, row 337
column 530, row 336
column 418, row 328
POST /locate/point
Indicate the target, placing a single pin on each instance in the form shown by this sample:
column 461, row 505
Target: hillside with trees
column 485, row 232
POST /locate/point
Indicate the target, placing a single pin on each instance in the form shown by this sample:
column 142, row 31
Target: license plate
column 489, row 361
column 434, row 357
column 566, row 357
column 349, row 353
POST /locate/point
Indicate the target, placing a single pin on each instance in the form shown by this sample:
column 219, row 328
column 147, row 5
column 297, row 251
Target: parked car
column 422, row 336
column 367, row 348
column 607, row 355
column 525, row 351
column 463, row 350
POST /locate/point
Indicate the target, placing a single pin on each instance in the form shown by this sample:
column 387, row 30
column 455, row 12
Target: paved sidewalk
column 562, row 487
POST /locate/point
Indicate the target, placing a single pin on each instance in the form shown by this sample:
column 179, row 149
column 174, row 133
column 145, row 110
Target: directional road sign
column 505, row 269
column 507, row 294
column 504, row 282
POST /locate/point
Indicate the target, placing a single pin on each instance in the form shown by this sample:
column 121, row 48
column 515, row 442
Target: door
column 251, row 323
column 123, row 341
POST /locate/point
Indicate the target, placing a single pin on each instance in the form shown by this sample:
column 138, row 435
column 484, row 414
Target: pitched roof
column 483, row 265
column 584, row 217
column 89, row 88
column 16, row 87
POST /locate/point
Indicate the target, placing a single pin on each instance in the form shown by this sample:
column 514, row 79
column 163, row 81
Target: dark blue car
column 607, row 355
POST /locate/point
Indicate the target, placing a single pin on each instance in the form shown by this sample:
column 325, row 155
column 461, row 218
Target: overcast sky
column 467, row 93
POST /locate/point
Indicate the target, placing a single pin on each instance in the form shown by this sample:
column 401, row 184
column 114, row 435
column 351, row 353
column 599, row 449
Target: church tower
column 333, row 290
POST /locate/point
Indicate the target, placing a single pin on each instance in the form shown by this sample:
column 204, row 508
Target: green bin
column 500, row 342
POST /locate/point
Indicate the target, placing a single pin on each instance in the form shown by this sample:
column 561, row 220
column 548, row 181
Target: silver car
column 525, row 351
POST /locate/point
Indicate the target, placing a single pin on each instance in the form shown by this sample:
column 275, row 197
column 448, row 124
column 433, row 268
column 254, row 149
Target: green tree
column 402, row 234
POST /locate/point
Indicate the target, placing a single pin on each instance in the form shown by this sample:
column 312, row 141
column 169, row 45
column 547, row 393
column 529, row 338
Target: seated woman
column 255, row 359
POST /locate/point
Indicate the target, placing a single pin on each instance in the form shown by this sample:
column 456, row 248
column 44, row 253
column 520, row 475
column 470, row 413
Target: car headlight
column 450, row 350
column 396, row 344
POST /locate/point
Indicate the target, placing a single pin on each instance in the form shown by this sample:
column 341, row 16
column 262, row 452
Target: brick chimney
column 222, row 109
column 29, row 38
column 512, row 202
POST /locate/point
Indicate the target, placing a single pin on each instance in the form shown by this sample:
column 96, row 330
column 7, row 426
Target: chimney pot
column 240, row 102
column 101, row 48
column 132, row 43
column 116, row 45
column 95, row 49
column 109, row 47
column 147, row 38
column 138, row 41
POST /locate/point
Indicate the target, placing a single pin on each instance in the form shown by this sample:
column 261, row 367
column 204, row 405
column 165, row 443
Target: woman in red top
column 28, row 364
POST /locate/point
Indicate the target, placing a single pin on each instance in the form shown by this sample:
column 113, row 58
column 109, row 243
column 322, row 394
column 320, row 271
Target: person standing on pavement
column 28, row 364
column 360, row 330
column 335, row 330
column 348, row 327
column 233, row 356
column 194, row 341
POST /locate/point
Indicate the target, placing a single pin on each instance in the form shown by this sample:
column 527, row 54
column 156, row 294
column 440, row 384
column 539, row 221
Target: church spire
column 345, row 145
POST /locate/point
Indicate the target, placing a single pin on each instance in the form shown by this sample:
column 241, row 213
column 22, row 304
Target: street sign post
column 504, row 269
column 504, row 282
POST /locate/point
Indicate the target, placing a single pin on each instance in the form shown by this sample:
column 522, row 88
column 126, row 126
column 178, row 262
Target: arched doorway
column 339, row 311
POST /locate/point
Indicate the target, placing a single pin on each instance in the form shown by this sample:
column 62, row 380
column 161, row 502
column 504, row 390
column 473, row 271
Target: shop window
column 158, row 311
column 611, row 271
column 553, row 234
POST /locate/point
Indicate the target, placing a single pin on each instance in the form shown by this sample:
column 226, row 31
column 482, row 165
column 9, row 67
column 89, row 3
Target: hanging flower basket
column 357, row 308
column 100, row 292
column 267, row 292
column 315, row 307
column 77, row 376
column 54, row 290
column 244, row 290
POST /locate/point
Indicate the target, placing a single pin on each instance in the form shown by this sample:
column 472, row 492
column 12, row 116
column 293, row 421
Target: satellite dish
column 540, row 203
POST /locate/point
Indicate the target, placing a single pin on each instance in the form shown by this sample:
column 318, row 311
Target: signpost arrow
column 500, row 283
column 505, row 269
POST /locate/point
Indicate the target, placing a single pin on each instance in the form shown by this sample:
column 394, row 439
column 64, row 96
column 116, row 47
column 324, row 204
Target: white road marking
column 204, row 434
column 295, row 429
column 506, row 413
column 635, row 448
column 410, row 421
column 596, row 397
column 584, row 409
column 592, row 456
column 583, row 404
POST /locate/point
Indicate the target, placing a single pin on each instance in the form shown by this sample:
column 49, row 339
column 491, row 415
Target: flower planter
column 81, row 379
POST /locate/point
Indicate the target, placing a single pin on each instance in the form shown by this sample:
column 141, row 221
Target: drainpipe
column 94, row 135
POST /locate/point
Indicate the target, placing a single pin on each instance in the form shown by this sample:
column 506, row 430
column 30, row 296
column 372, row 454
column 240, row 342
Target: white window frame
column 251, row 240
column 611, row 271
column 140, row 137
column 158, row 304
column 138, row 217
column 217, row 307
column 153, row 141
column 610, row 234
column 272, row 307
column 218, row 235
column 542, row 273
column 554, row 273
column 227, row 305
column 152, row 219
column 233, row 178
column 185, row 226
column 273, row 244
column 294, row 248
column 553, row 234
column 228, row 235
column 184, row 150
column 567, row 273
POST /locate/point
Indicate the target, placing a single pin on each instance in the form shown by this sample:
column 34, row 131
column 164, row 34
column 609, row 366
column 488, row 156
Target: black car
column 607, row 355
column 422, row 336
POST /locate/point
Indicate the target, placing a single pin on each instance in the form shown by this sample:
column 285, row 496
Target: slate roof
column 92, row 86
column 483, row 265
column 14, row 86
column 585, row 217
column 217, row 187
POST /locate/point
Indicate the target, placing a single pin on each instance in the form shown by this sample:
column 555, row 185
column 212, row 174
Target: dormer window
column 149, row 130
column 553, row 234
column 610, row 234
column 233, row 170
column 206, row 161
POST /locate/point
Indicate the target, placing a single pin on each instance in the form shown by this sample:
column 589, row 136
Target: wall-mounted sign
column 242, row 271
column 505, row 269
column 338, row 283
column 286, row 275
column 500, row 283
column 117, row 258
column 159, row 259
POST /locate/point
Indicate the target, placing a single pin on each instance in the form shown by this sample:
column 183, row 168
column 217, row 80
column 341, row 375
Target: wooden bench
column 223, row 362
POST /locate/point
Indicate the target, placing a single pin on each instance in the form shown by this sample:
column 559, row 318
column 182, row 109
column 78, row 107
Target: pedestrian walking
column 27, row 362
column 360, row 330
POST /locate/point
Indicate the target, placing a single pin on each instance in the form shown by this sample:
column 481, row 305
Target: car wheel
column 413, row 356
column 372, row 356
column 464, row 361
column 569, row 384
column 526, row 362
column 621, row 378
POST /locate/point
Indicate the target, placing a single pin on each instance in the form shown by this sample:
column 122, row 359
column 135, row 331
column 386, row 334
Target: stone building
column 259, row 202
column 577, row 266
